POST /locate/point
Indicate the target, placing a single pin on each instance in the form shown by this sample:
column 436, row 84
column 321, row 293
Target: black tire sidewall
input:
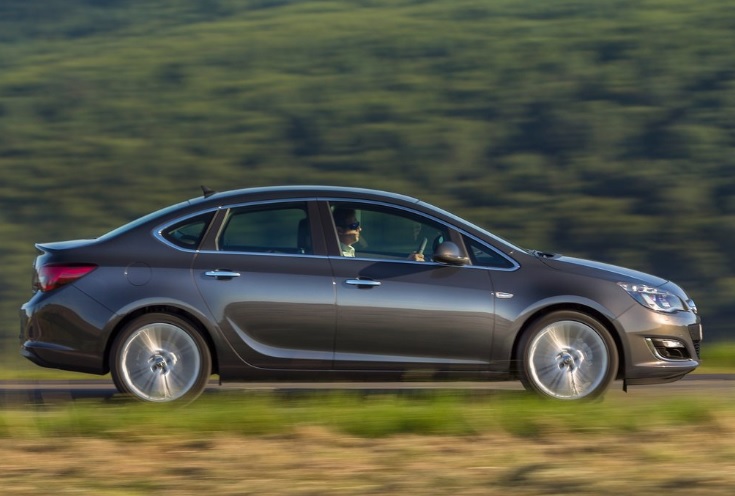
column 164, row 318
column 537, row 326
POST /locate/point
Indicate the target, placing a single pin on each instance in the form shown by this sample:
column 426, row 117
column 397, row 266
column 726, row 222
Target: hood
column 610, row 272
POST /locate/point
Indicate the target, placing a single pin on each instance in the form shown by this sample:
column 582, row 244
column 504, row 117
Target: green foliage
column 370, row 416
column 720, row 357
column 602, row 129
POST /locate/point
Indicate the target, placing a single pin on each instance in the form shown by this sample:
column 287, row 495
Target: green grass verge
column 370, row 416
column 718, row 358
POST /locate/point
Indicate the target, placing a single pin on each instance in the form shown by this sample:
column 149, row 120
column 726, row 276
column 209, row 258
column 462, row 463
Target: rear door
column 269, row 286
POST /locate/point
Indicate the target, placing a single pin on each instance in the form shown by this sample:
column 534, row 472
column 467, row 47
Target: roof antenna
column 207, row 191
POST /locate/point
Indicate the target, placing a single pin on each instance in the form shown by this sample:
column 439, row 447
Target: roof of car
column 300, row 190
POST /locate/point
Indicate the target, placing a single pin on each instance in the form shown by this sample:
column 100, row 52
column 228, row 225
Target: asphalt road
column 18, row 393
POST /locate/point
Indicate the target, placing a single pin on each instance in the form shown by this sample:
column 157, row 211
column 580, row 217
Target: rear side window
column 280, row 228
column 188, row 233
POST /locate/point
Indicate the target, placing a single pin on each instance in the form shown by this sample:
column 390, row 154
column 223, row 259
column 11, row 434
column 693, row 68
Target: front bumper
column 659, row 347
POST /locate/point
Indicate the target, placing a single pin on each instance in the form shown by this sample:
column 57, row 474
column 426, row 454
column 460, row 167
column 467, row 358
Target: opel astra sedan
column 326, row 283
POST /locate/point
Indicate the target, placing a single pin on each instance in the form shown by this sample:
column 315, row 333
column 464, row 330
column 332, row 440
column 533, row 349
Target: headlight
column 655, row 299
column 692, row 306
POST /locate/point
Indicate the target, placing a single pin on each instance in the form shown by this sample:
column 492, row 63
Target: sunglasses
column 353, row 226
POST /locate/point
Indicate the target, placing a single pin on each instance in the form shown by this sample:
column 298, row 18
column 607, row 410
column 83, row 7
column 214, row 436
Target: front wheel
column 160, row 358
column 568, row 356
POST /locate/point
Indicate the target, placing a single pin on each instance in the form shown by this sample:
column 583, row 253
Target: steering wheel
column 422, row 246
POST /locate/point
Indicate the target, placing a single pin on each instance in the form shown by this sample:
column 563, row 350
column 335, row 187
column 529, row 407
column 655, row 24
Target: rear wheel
column 569, row 356
column 160, row 358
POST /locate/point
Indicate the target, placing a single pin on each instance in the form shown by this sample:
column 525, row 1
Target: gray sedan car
column 326, row 283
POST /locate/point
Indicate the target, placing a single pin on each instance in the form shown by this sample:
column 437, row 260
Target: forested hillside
column 603, row 128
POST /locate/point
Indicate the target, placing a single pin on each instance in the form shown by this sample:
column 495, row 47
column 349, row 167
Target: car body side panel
column 279, row 313
column 65, row 331
column 629, row 321
column 423, row 315
column 134, row 273
column 550, row 289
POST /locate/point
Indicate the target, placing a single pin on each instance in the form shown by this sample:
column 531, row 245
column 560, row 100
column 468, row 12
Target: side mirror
column 450, row 254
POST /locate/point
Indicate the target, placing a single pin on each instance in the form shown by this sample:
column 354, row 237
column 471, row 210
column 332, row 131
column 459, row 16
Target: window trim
column 321, row 221
column 218, row 222
column 456, row 233
column 158, row 231
column 388, row 207
column 233, row 211
column 514, row 264
column 206, row 218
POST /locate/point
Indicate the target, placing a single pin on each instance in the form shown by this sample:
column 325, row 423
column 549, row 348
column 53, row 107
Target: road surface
column 19, row 393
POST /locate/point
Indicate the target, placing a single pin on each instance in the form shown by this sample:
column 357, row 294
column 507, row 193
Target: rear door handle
column 363, row 282
column 222, row 274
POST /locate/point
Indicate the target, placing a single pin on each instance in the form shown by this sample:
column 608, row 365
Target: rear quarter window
column 188, row 233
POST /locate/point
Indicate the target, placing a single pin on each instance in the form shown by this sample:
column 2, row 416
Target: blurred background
column 603, row 129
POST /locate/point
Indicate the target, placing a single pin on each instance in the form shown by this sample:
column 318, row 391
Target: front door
column 396, row 312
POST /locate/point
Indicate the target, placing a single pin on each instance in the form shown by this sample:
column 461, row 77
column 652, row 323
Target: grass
column 427, row 443
column 718, row 358
column 365, row 416
column 368, row 416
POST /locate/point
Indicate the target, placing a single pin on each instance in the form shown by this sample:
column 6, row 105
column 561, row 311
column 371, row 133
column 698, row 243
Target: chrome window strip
column 457, row 228
column 158, row 231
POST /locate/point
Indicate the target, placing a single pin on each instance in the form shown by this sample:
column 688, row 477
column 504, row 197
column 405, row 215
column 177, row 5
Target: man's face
column 350, row 233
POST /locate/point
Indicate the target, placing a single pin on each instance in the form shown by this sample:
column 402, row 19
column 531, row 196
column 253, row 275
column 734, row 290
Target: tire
column 160, row 358
column 568, row 355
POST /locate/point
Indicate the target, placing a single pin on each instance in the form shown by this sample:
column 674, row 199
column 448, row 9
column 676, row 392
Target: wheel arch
column 575, row 307
column 195, row 322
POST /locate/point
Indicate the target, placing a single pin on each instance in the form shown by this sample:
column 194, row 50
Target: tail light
column 52, row 276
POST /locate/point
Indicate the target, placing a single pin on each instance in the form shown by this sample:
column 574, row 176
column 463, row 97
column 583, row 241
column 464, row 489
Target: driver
column 348, row 232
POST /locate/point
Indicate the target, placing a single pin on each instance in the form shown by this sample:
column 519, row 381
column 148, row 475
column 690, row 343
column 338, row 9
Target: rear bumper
column 56, row 357
column 54, row 334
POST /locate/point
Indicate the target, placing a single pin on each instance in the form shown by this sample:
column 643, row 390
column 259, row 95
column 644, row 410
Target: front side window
column 278, row 228
column 379, row 232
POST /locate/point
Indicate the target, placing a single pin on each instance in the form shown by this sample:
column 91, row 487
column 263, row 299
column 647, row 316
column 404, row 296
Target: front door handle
column 222, row 274
column 363, row 282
